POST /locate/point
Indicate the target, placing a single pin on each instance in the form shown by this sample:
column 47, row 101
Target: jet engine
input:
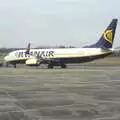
column 32, row 62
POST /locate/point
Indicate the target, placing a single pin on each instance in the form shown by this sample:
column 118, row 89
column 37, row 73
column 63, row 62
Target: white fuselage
column 60, row 53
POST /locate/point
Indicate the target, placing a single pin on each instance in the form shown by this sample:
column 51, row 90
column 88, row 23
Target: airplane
column 62, row 56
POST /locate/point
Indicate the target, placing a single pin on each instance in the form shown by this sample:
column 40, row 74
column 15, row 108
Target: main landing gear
column 14, row 65
column 63, row 65
column 50, row 65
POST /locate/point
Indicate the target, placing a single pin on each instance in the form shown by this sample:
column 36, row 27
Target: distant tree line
column 7, row 50
column 61, row 46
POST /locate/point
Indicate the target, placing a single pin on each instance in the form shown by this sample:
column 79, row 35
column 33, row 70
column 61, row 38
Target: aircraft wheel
column 14, row 65
column 6, row 64
column 63, row 66
column 50, row 66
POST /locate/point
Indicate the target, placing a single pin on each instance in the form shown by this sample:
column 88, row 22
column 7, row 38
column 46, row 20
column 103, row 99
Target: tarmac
column 75, row 93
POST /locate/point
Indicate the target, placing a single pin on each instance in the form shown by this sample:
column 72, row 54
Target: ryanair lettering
column 35, row 53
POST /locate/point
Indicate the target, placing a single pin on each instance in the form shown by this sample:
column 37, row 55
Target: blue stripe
column 80, row 59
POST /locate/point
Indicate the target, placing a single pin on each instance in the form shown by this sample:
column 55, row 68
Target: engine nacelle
column 32, row 62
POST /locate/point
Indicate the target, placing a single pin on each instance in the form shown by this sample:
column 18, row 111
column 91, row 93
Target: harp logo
column 108, row 35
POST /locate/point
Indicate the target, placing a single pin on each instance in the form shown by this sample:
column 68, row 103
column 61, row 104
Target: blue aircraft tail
column 107, row 38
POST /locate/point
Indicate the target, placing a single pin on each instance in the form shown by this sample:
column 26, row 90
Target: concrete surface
column 82, row 93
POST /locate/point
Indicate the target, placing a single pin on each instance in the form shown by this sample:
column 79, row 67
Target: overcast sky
column 56, row 22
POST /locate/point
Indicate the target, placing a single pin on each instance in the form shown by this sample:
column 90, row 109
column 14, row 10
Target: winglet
column 28, row 49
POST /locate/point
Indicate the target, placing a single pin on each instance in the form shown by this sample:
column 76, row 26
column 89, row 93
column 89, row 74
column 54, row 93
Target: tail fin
column 107, row 38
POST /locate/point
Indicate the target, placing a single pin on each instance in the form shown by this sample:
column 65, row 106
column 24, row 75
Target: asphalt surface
column 82, row 93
